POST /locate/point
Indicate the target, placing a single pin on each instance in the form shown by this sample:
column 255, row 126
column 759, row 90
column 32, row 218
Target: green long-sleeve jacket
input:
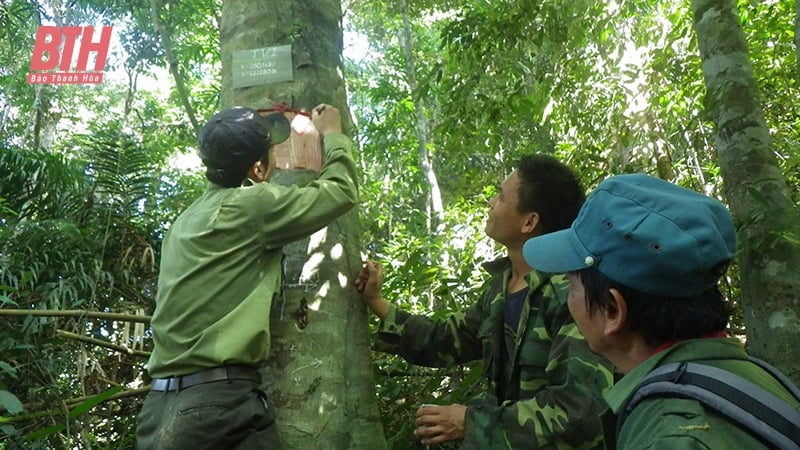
column 671, row 423
column 221, row 264
column 552, row 395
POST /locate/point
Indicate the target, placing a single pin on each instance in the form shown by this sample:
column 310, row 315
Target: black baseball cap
column 237, row 137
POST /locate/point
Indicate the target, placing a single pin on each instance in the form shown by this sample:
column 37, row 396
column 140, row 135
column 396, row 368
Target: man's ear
column 531, row 223
column 615, row 312
column 256, row 171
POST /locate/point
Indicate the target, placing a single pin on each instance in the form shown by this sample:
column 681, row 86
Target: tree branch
column 99, row 343
column 75, row 313
column 70, row 403
column 124, row 394
column 166, row 42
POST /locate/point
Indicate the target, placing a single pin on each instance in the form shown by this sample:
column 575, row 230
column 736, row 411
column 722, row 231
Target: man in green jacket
column 545, row 383
column 220, row 271
column 644, row 258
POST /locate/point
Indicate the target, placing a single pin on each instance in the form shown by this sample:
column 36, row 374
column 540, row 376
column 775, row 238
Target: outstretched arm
column 289, row 213
column 369, row 283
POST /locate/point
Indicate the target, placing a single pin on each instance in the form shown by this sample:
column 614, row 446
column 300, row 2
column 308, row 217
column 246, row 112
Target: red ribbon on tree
column 284, row 108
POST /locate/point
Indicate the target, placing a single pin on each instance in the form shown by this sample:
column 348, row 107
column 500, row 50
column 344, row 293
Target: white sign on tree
column 262, row 66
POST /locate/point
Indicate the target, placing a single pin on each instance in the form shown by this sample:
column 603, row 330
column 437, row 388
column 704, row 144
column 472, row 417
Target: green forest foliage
column 87, row 188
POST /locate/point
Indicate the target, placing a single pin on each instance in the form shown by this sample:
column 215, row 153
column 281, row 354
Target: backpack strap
column 783, row 379
column 757, row 411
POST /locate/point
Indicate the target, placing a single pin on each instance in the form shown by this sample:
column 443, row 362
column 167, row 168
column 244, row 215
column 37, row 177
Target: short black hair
column 229, row 177
column 550, row 188
column 659, row 319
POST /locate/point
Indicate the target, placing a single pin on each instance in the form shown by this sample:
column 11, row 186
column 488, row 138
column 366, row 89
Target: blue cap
column 644, row 233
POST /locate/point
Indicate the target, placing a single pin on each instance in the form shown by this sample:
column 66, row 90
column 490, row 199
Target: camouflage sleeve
column 558, row 410
column 414, row 337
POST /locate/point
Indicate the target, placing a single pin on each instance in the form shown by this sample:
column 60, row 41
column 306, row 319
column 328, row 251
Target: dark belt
column 206, row 376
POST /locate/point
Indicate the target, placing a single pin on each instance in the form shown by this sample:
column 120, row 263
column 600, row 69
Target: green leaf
column 93, row 401
column 10, row 402
column 8, row 369
column 6, row 300
column 758, row 196
column 26, row 277
column 44, row 432
column 791, row 237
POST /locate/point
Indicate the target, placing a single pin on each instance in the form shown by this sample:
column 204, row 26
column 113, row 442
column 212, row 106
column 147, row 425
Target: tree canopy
column 445, row 97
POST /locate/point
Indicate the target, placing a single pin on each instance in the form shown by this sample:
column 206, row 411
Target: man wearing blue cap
column 220, row 270
column 643, row 259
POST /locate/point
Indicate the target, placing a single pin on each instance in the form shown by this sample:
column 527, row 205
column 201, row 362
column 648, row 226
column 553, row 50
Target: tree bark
column 319, row 375
column 759, row 199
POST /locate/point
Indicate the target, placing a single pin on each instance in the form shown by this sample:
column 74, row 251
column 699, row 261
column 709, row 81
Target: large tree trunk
column 319, row 375
column 767, row 220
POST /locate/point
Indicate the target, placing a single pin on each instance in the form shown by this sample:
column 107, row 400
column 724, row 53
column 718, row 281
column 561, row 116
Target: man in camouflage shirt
column 545, row 384
column 644, row 259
